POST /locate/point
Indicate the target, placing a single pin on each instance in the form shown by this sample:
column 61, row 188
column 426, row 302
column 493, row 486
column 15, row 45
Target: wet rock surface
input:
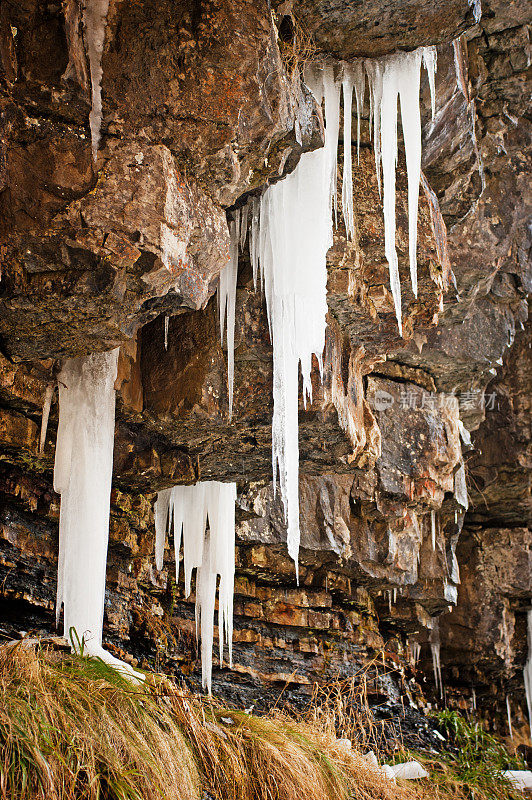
column 200, row 109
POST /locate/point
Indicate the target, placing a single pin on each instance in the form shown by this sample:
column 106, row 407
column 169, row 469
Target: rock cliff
column 203, row 106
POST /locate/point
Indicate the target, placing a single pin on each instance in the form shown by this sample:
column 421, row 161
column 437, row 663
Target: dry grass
column 296, row 49
column 71, row 727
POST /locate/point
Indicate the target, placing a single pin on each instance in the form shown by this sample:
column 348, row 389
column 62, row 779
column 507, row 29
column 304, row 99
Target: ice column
column 94, row 19
column 211, row 552
column 82, row 476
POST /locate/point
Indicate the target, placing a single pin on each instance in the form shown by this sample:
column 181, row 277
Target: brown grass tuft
column 71, row 727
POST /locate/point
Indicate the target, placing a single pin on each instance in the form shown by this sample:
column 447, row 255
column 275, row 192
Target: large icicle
column 94, row 20
column 295, row 234
column 82, row 476
column 211, row 553
column 527, row 672
column 227, row 298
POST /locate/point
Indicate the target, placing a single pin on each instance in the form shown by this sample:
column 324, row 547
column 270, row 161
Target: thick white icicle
column 82, row 476
column 527, row 672
column 211, row 553
column 94, row 20
column 166, row 326
column 295, row 234
column 227, row 302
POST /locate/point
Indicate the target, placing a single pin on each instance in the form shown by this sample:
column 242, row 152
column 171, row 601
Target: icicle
column 82, row 476
column 244, row 225
column 94, row 19
column 509, row 715
column 254, row 239
column 295, row 234
column 430, row 60
column 211, row 553
column 48, row 396
column 359, row 80
column 347, row 178
column 435, row 650
column 460, row 487
column 474, row 698
column 227, row 303
column 162, row 514
column 477, row 9
column 389, row 78
column 166, row 325
column 433, row 528
column 527, row 672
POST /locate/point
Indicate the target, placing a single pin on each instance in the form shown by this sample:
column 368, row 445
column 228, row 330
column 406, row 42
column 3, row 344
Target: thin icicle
column 527, row 672
column 254, row 239
column 509, row 716
column 244, row 213
column 435, row 650
column 433, row 528
column 47, row 403
column 166, row 325
column 476, row 5
column 359, row 80
column 82, row 476
column 211, row 553
column 94, row 20
column 162, row 514
column 430, row 60
column 227, row 303
column 347, row 178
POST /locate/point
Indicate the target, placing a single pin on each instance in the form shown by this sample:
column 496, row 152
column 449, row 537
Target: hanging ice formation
column 82, row 476
column 392, row 77
column 94, row 20
column 290, row 244
column 527, row 672
column 227, row 296
column 291, row 232
column 509, row 716
column 211, row 552
column 435, row 650
column 48, row 397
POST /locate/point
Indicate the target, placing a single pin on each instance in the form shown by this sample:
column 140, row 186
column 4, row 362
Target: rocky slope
column 201, row 102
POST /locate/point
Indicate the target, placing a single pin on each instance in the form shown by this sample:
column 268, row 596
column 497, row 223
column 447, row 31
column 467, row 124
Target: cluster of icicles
column 291, row 230
column 290, row 233
column 82, row 476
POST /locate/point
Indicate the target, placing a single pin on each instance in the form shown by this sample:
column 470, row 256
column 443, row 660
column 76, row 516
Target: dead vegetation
column 71, row 727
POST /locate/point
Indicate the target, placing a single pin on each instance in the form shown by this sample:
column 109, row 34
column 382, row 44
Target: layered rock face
column 203, row 104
